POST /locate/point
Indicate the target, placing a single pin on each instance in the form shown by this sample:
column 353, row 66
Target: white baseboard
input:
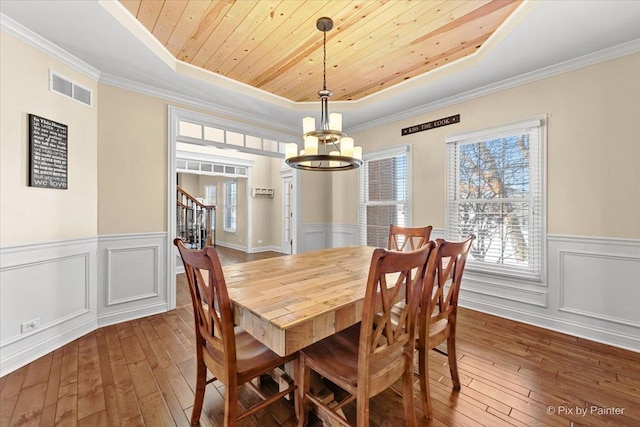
column 605, row 336
column 232, row 246
column 131, row 314
column 267, row 249
column 13, row 361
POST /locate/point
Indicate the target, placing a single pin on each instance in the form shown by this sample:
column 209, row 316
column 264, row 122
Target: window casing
column 229, row 208
column 495, row 183
column 385, row 180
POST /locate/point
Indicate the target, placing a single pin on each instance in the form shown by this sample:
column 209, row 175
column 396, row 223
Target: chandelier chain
column 324, row 61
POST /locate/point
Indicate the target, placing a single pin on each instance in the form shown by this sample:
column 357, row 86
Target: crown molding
column 604, row 55
column 35, row 40
column 175, row 97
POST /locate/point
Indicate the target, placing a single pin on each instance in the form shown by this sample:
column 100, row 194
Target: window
column 384, row 194
column 494, row 190
column 210, row 193
column 230, row 193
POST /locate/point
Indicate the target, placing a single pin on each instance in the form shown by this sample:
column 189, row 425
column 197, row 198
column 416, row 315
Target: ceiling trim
column 624, row 49
column 176, row 97
column 33, row 39
column 43, row 45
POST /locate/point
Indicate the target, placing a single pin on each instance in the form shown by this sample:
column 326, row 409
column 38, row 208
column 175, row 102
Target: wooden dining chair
column 369, row 357
column 438, row 311
column 232, row 355
column 407, row 238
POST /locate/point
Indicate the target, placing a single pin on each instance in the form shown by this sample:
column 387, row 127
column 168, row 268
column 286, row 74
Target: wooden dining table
column 293, row 301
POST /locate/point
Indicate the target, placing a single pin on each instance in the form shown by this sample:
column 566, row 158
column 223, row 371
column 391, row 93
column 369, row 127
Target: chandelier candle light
column 327, row 148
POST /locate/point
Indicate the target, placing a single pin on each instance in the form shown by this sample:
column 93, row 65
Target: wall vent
column 68, row 88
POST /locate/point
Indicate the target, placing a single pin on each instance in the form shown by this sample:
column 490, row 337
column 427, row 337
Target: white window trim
column 381, row 154
column 224, row 207
column 541, row 123
column 245, row 129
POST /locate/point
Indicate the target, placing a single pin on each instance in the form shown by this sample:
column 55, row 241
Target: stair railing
column 195, row 221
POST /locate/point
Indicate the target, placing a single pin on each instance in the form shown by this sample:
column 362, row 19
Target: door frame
column 174, row 114
column 295, row 196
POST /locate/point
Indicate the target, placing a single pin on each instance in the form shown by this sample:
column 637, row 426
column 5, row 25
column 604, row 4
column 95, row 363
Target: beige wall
column 31, row 214
column 593, row 148
column 342, row 189
column 191, row 184
column 316, row 200
column 132, row 162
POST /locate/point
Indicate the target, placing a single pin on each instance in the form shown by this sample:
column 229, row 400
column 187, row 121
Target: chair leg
column 362, row 405
column 303, row 380
column 294, row 395
column 453, row 362
column 201, row 385
column 407, row 395
column 230, row 404
column 424, row 382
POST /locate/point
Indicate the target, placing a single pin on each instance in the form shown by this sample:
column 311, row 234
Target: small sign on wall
column 431, row 125
column 47, row 153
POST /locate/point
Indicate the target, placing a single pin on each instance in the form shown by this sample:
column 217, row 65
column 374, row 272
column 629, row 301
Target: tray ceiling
column 275, row 46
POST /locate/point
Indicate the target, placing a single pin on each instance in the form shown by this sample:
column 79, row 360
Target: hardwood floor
column 142, row 373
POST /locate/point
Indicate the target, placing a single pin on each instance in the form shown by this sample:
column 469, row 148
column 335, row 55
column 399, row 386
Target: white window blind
column 229, row 211
column 495, row 191
column 385, row 182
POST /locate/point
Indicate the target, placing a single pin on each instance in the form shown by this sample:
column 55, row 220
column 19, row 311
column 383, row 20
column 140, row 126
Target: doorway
column 197, row 129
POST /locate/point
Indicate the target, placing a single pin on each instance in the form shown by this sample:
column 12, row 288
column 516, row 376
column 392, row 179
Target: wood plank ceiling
column 275, row 45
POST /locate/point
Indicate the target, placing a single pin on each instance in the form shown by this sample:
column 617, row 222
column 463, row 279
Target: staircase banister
column 194, row 200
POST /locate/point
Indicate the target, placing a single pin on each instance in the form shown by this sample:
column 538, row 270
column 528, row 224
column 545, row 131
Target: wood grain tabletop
column 293, row 301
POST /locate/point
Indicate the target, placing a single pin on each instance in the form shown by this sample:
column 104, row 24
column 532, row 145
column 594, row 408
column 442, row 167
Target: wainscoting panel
column 344, row 235
column 314, row 237
column 600, row 285
column 592, row 290
column 122, row 286
column 47, row 298
column 132, row 276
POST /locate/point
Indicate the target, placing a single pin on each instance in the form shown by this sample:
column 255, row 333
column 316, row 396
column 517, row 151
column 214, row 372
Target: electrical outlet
column 30, row 325
column 259, row 241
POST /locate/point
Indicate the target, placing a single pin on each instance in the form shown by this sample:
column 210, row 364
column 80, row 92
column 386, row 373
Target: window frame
column 403, row 150
column 537, row 183
column 226, row 206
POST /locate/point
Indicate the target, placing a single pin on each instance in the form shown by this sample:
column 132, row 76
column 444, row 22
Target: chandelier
column 326, row 148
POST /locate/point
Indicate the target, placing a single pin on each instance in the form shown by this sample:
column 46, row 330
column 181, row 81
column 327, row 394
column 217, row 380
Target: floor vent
column 70, row 89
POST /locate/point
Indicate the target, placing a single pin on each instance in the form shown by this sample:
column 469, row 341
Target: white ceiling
column 546, row 37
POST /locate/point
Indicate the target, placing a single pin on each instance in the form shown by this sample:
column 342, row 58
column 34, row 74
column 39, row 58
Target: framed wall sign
column 47, row 153
column 431, row 125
